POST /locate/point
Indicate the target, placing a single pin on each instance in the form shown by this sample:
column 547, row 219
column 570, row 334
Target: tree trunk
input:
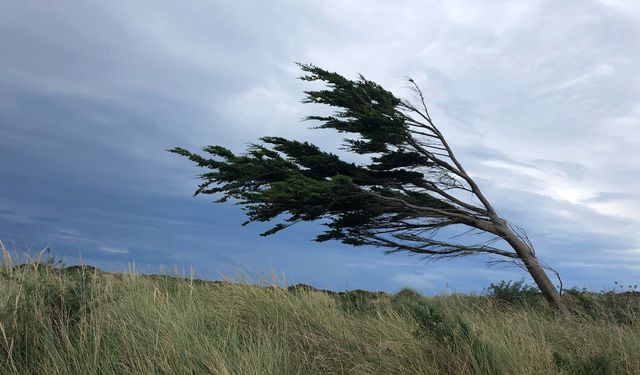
column 536, row 271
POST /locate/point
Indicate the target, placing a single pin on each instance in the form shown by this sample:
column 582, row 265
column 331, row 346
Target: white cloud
column 595, row 72
column 635, row 267
column 114, row 249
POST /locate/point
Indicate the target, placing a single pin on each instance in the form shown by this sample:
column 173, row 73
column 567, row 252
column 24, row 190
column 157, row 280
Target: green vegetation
column 412, row 187
column 78, row 320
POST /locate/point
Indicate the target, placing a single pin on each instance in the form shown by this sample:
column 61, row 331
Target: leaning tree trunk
column 501, row 229
column 536, row 271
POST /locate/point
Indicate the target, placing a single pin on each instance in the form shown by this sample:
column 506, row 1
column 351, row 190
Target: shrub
column 358, row 300
column 514, row 293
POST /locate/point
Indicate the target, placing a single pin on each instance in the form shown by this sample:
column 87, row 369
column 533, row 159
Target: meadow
column 80, row 320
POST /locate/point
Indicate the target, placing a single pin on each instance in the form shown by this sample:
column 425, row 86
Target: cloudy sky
column 541, row 102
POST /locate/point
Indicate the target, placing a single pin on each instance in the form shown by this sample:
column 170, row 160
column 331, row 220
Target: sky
column 540, row 100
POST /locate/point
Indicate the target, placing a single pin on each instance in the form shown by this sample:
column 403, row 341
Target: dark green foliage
column 358, row 301
column 297, row 181
column 366, row 109
column 410, row 186
column 514, row 292
column 599, row 364
column 305, row 288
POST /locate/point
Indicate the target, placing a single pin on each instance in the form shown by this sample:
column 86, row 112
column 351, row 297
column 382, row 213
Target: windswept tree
column 411, row 195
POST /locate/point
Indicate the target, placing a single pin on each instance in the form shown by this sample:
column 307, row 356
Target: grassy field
column 83, row 321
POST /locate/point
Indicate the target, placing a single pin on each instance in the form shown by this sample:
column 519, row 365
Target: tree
column 411, row 188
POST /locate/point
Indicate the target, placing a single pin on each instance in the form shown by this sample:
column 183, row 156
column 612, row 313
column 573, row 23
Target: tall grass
column 83, row 321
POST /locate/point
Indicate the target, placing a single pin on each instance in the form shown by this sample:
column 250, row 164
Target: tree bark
column 548, row 290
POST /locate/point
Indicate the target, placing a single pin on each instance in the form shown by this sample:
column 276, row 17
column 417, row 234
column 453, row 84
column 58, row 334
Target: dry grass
column 84, row 321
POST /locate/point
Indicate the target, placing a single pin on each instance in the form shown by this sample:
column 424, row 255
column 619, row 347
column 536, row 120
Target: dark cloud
column 539, row 100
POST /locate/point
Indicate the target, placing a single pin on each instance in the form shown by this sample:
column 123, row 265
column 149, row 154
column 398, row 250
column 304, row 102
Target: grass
column 80, row 320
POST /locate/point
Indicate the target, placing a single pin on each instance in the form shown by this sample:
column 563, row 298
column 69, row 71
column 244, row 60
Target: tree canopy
column 411, row 186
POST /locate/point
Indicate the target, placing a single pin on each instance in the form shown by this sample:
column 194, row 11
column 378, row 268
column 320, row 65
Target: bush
column 514, row 293
column 358, row 300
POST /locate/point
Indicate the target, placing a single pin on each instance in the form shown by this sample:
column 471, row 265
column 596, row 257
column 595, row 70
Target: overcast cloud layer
column 541, row 102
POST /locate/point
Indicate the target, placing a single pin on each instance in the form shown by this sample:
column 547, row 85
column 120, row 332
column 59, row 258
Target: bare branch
column 438, row 248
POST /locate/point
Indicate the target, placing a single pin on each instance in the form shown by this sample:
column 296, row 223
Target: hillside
column 80, row 320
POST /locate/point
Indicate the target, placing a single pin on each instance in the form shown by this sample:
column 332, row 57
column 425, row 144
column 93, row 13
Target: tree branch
column 439, row 248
